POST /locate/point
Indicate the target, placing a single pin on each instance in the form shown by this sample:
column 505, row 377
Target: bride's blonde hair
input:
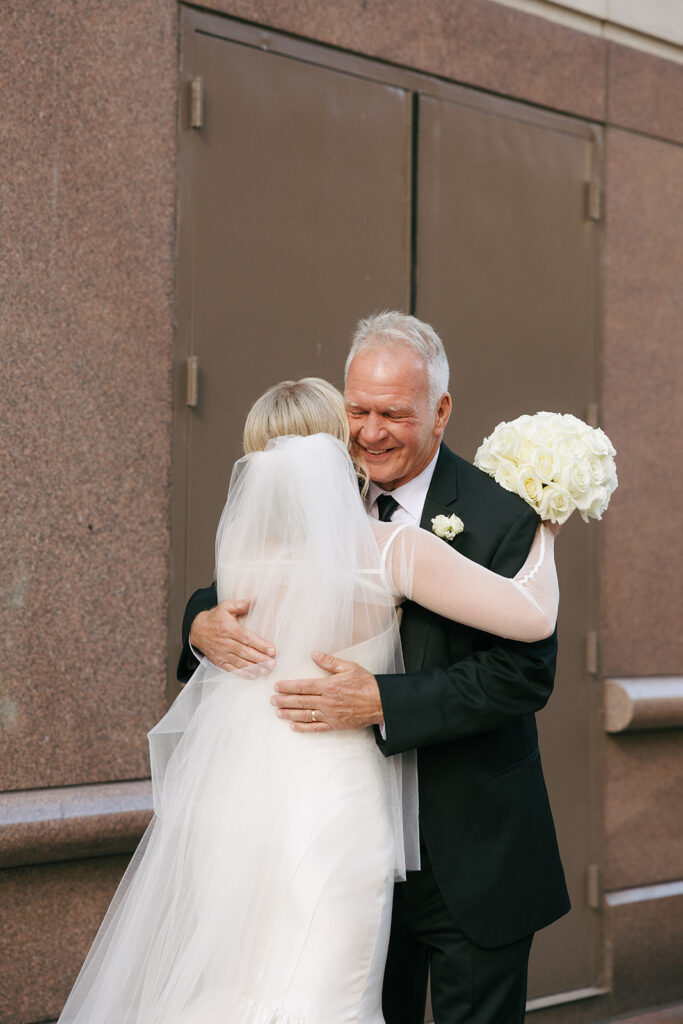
column 307, row 406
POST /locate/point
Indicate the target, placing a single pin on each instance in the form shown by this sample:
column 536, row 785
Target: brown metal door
column 294, row 222
column 295, row 219
column 506, row 271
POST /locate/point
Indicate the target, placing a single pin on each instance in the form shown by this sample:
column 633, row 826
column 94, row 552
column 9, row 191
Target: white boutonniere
column 447, row 527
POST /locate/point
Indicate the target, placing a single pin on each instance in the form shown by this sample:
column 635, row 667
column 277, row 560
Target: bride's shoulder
column 385, row 532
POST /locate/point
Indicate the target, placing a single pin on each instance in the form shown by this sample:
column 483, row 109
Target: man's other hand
column 220, row 636
column 348, row 698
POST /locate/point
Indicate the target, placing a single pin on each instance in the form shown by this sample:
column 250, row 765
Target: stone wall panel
column 87, row 188
column 643, row 312
column 645, row 93
column 49, row 915
column 643, row 825
column 645, row 939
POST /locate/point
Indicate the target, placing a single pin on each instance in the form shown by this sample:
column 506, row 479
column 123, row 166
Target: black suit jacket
column 467, row 702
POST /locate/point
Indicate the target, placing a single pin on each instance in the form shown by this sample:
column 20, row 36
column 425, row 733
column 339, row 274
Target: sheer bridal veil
column 232, row 783
column 294, row 536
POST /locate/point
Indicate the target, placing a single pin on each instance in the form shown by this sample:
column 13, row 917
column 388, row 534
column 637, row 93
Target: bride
column 261, row 892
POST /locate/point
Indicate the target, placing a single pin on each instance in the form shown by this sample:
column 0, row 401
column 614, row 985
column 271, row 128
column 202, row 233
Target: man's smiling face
column 394, row 427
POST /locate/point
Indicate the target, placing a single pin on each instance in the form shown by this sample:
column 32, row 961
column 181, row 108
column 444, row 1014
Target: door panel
column 295, row 222
column 506, row 271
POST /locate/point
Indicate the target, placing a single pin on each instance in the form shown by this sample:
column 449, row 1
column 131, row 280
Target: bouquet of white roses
column 555, row 462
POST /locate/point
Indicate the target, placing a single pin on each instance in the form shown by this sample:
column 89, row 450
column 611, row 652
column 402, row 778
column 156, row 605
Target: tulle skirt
column 261, row 892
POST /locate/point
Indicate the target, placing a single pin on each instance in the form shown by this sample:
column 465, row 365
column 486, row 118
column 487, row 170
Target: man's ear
column 443, row 414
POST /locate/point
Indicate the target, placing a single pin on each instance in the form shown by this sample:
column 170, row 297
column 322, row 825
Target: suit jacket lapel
column 441, row 497
column 443, row 490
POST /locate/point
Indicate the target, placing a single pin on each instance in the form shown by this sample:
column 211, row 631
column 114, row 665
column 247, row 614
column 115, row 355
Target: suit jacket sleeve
column 481, row 691
column 200, row 601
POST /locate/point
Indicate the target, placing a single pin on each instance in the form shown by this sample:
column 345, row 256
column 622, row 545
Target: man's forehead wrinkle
column 392, row 409
column 395, row 392
column 387, row 402
column 400, row 393
column 392, row 391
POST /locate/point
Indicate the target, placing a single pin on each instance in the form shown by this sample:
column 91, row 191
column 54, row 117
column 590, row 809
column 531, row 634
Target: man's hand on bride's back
column 347, row 698
column 221, row 637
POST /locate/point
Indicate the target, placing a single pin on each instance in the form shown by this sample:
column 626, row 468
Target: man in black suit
column 491, row 874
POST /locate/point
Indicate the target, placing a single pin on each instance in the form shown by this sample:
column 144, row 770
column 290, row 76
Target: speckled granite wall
column 643, row 313
column 49, row 915
column 644, row 93
column 642, row 544
column 86, row 277
column 87, row 284
column 643, row 823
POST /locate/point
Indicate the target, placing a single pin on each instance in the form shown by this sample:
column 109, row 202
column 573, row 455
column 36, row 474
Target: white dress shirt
column 410, row 496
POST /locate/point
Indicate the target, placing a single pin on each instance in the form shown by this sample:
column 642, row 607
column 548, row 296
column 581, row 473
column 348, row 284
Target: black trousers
column 469, row 984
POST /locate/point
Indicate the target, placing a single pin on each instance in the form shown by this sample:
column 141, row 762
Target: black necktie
column 386, row 506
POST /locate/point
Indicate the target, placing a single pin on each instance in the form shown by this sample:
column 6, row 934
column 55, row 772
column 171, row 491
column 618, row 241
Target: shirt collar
column 411, row 495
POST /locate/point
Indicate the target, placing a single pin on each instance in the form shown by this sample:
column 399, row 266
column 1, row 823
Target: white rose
column 571, row 447
column 570, row 424
column 541, row 430
column 525, row 451
column 506, row 475
column 570, row 438
column 505, row 440
column 447, row 527
column 556, row 504
column 530, row 485
column 599, row 443
column 595, row 468
column 545, row 462
column 576, row 477
column 486, row 460
column 585, row 501
column 602, row 469
column 554, row 424
column 609, row 465
column 599, row 503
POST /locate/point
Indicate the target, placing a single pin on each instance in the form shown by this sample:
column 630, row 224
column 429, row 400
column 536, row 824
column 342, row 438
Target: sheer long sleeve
column 429, row 572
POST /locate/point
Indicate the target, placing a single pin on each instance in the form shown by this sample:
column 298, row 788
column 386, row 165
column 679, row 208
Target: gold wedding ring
column 313, row 718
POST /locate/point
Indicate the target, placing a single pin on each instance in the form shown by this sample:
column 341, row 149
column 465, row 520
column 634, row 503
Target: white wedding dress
column 261, row 892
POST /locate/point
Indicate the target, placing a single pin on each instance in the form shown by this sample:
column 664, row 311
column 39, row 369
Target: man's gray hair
column 392, row 328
